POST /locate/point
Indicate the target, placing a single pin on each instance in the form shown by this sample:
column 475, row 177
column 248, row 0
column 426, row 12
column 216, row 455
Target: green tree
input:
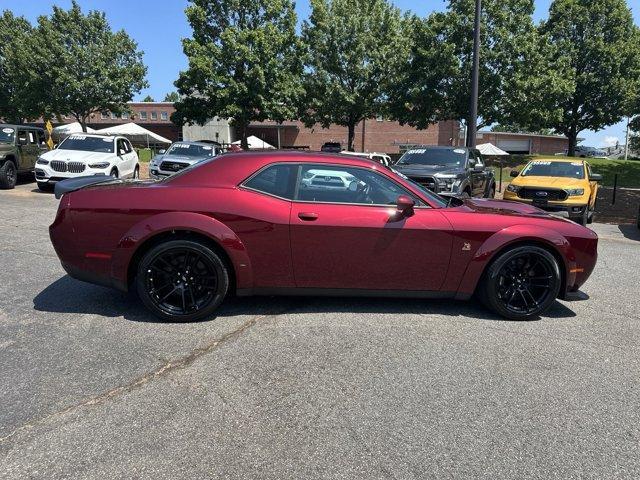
column 171, row 97
column 148, row 98
column 85, row 68
column 244, row 63
column 352, row 51
column 434, row 83
column 18, row 90
column 634, row 138
column 598, row 49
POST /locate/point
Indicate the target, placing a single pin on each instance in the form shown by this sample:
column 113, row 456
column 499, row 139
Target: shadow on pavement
column 67, row 295
column 632, row 232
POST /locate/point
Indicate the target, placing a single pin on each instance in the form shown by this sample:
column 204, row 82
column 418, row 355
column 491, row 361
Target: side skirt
column 340, row 292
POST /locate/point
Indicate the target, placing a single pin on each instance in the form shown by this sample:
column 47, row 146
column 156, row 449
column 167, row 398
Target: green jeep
column 20, row 147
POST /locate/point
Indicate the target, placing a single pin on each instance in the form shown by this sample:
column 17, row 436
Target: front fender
column 510, row 236
column 176, row 221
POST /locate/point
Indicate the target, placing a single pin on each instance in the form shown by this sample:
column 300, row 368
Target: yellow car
column 563, row 187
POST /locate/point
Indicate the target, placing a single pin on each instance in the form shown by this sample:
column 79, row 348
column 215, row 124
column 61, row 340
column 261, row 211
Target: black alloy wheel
column 521, row 283
column 182, row 280
column 8, row 175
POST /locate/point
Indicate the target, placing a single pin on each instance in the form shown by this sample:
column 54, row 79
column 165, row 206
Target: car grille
column 427, row 182
column 71, row 167
column 168, row 166
column 550, row 194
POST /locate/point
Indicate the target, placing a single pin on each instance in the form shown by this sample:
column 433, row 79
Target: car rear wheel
column 8, row 175
column 114, row 173
column 521, row 283
column 182, row 281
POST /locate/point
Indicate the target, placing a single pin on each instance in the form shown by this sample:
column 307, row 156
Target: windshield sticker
column 420, row 150
column 78, row 137
column 7, row 130
column 541, row 162
column 576, row 164
column 180, row 145
column 459, row 151
column 106, row 140
column 206, row 148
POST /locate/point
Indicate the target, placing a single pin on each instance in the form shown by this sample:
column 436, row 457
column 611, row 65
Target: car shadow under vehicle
column 67, row 295
column 631, row 232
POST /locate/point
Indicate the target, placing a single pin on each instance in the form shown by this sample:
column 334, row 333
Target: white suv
column 80, row 155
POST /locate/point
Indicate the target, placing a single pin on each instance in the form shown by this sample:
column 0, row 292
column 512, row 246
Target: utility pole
column 626, row 143
column 473, row 107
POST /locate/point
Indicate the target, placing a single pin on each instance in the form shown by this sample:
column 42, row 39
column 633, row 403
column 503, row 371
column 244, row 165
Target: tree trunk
column 572, row 135
column 242, row 131
column 351, row 137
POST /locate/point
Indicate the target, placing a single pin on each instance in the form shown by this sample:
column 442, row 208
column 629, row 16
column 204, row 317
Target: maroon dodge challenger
column 293, row 223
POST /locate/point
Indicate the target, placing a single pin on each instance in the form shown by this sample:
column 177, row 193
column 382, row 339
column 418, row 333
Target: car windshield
column 436, row 199
column 85, row 143
column 190, row 150
column 7, row 135
column 434, row 156
column 554, row 169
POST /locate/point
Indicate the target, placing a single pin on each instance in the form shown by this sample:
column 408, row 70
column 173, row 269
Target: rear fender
column 510, row 236
column 182, row 221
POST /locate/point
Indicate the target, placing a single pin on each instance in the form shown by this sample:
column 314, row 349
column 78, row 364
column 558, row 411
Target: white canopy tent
column 490, row 150
column 63, row 131
column 135, row 133
column 254, row 143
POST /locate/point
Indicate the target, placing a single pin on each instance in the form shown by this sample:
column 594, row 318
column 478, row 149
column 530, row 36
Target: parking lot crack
column 162, row 371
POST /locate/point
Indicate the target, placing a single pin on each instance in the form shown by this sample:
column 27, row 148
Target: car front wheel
column 182, row 281
column 8, row 175
column 521, row 283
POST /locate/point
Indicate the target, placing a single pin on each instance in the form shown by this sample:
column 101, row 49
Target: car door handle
column 308, row 216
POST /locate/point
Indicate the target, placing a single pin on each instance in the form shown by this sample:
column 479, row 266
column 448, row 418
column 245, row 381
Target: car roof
column 96, row 135
column 558, row 160
column 194, row 142
column 10, row 125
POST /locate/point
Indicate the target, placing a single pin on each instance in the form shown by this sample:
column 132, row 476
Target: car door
column 28, row 146
column 132, row 157
column 478, row 177
column 350, row 237
column 124, row 160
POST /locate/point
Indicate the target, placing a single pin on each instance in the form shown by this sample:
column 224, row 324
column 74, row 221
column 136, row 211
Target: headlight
column 513, row 188
column 575, row 192
column 42, row 161
column 99, row 165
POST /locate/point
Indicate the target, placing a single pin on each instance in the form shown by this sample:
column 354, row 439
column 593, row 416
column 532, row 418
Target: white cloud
column 610, row 141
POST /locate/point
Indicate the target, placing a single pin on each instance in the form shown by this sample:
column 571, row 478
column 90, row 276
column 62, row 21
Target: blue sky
column 158, row 26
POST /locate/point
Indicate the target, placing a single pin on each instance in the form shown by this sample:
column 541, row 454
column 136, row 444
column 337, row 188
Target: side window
column 121, row 147
column 337, row 184
column 42, row 139
column 22, row 137
column 127, row 146
column 275, row 180
column 32, row 137
column 478, row 156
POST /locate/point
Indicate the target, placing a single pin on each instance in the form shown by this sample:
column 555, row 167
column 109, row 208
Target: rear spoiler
column 72, row 184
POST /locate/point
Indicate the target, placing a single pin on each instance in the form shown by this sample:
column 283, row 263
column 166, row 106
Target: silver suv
column 179, row 156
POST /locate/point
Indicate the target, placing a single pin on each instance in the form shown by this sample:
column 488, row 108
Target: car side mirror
column 595, row 177
column 404, row 206
column 121, row 152
column 161, row 151
column 514, row 173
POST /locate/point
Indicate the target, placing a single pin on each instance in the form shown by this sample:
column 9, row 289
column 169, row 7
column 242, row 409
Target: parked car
column 20, row 146
column 242, row 223
column 448, row 171
column 181, row 155
column 331, row 147
column 382, row 158
column 588, row 152
column 87, row 154
column 564, row 187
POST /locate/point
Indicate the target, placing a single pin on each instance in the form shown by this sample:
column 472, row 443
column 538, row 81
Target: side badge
column 466, row 246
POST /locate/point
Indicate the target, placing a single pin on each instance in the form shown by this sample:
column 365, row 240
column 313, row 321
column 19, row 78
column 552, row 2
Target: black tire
column 492, row 191
column 136, row 173
column 590, row 217
column 45, row 187
column 521, row 283
column 167, row 288
column 8, row 175
column 114, row 173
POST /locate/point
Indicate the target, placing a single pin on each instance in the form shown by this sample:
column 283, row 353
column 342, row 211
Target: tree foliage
column 18, row 90
column 244, row 63
column 148, row 98
column 83, row 66
column 598, row 50
column 171, row 97
column 353, row 49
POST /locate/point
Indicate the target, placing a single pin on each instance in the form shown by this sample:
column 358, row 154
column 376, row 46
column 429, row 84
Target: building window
column 125, row 116
column 379, row 118
column 154, row 115
column 66, row 117
column 104, row 115
column 114, row 116
column 164, row 116
column 143, row 115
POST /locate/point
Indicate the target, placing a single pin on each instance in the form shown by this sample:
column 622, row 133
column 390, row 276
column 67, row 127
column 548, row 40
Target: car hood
column 549, row 182
column 179, row 158
column 77, row 156
column 427, row 170
column 502, row 207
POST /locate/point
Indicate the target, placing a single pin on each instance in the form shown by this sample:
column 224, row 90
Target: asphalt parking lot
column 93, row 387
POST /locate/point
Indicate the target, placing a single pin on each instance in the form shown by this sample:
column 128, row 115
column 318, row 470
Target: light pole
column 475, row 74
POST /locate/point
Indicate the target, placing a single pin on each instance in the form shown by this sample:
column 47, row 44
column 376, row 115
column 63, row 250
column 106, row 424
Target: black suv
column 20, row 147
column 448, row 170
column 331, row 147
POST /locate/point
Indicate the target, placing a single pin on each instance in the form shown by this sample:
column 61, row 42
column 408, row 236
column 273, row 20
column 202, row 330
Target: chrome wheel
column 181, row 281
column 525, row 282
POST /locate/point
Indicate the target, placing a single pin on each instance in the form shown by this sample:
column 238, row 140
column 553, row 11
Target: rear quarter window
column 276, row 180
